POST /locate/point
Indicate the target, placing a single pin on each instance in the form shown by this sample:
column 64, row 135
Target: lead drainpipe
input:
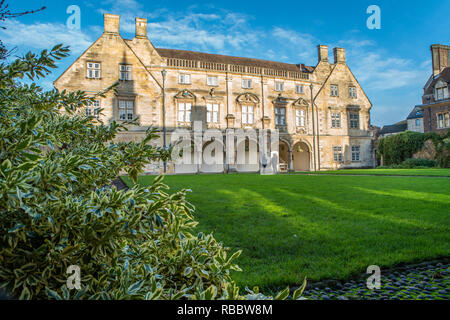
column 318, row 141
column 314, row 126
column 163, row 73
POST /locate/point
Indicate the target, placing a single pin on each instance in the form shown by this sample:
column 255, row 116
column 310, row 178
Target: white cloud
column 43, row 36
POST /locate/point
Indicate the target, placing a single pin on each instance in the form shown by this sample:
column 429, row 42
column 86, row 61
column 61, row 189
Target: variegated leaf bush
column 59, row 209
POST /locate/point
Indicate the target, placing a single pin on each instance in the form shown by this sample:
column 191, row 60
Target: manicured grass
column 321, row 227
column 389, row 172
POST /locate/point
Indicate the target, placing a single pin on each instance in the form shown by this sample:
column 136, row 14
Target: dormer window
column 440, row 93
column 93, row 70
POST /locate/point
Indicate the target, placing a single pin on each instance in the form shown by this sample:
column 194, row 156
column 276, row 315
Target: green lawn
column 322, row 227
column 390, row 172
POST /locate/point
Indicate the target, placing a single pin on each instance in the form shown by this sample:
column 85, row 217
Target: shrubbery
column 398, row 148
column 58, row 208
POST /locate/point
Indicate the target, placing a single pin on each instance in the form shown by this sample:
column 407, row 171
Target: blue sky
column 392, row 64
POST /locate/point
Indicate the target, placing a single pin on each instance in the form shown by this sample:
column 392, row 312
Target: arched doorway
column 302, row 156
column 283, row 165
column 212, row 157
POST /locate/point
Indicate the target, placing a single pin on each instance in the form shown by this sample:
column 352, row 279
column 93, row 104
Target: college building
column 321, row 112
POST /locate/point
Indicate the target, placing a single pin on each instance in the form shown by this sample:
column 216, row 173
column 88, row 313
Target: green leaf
column 52, row 294
column 135, row 287
column 297, row 293
column 25, row 295
column 282, row 295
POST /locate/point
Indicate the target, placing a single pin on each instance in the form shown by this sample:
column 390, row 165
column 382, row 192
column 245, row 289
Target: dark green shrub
column 58, row 208
column 415, row 163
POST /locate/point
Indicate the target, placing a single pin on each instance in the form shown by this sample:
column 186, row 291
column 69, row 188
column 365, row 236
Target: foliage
column 397, row 148
column 320, row 227
column 58, row 208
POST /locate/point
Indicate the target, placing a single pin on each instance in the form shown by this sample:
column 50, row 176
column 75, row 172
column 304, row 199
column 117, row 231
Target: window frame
column 212, row 115
column 279, row 86
column 352, row 92
column 337, row 154
column 128, row 72
column 187, row 113
column 280, row 116
column 353, row 121
column 182, row 78
column 246, row 113
column 334, row 93
column 302, row 91
column 93, row 109
column 247, row 81
column 127, row 108
column 336, row 120
column 356, row 153
column 212, row 84
column 91, row 71
column 300, row 117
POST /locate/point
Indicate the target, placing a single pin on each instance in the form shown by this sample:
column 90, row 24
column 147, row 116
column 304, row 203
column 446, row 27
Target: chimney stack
column 339, row 55
column 141, row 28
column 323, row 53
column 112, row 23
column 440, row 55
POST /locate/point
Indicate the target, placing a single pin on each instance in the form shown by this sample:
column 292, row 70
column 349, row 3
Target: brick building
column 436, row 98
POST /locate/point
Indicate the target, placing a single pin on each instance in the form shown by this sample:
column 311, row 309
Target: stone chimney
column 322, row 52
column 440, row 56
column 339, row 55
column 112, row 23
column 141, row 28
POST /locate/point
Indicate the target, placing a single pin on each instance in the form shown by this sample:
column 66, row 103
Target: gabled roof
column 416, row 113
column 394, row 128
column 444, row 75
column 218, row 58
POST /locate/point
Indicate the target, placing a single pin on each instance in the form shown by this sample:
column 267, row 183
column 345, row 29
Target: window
column 356, row 155
column 126, row 109
column 300, row 119
column 212, row 112
column 125, row 72
column 354, row 120
column 443, row 120
column 184, row 78
column 92, row 109
column 246, row 83
column 280, row 116
column 417, row 122
column 334, row 90
column 337, row 154
column 211, row 81
column 335, row 119
column 440, row 94
column 93, row 70
column 352, row 92
column 247, row 114
column 279, row 86
column 184, row 111
column 299, row 89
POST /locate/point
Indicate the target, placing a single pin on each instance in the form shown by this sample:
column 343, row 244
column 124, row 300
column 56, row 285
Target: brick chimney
column 322, row 53
column 339, row 55
column 440, row 55
column 112, row 23
column 141, row 28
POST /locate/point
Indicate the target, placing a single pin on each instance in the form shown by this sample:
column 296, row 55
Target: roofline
column 432, row 104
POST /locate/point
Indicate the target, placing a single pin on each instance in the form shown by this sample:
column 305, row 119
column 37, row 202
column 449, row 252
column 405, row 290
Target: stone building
column 326, row 128
column 436, row 97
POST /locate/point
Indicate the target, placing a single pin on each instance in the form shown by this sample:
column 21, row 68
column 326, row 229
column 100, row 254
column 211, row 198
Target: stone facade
column 326, row 128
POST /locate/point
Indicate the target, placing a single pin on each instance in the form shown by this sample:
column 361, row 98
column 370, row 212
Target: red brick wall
column 430, row 118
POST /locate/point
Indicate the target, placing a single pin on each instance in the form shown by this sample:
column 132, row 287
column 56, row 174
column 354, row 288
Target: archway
column 283, row 165
column 213, row 157
column 302, row 156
